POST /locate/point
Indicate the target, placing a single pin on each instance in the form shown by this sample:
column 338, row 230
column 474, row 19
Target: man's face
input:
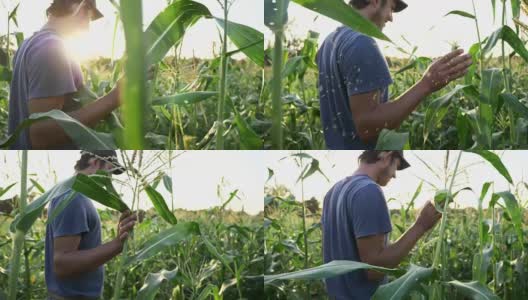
column 81, row 16
column 389, row 166
column 100, row 165
column 383, row 12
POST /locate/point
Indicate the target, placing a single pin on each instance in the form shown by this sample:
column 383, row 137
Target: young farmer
column 354, row 80
column 356, row 225
column 74, row 253
column 46, row 78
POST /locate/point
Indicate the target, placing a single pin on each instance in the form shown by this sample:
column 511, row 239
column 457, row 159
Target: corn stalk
column 19, row 235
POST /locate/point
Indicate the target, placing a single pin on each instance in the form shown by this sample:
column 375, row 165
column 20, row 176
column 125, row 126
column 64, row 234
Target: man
column 46, row 78
column 354, row 79
column 74, row 256
column 356, row 225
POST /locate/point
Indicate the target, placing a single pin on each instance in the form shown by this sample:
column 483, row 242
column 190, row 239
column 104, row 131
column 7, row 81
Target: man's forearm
column 390, row 115
column 392, row 255
column 48, row 133
column 82, row 261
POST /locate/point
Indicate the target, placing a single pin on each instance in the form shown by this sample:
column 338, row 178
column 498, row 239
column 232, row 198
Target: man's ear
column 376, row 3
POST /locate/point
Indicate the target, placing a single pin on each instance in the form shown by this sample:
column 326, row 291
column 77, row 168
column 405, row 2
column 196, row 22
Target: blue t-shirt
column 353, row 208
column 41, row 69
column 349, row 63
column 78, row 218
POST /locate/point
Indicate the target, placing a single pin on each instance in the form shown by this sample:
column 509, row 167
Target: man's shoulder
column 45, row 44
column 349, row 37
column 362, row 184
column 76, row 198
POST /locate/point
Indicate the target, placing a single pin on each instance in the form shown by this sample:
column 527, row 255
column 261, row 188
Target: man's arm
column 372, row 249
column 48, row 133
column 68, row 260
column 371, row 116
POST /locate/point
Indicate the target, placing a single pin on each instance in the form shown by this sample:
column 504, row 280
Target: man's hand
column 446, row 69
column 428, row 217
column 126, row 224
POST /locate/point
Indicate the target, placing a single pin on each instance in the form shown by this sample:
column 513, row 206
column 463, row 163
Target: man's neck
column 58, row 25
column 368, row 170
column 365, row 14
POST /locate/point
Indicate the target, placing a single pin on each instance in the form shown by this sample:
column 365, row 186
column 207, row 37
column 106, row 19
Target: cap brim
column 403, row 164
column 118, row 169
column 96, row 15
column 400, row 5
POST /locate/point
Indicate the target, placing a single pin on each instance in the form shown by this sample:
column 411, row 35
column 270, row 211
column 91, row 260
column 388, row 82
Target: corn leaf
column 167, row 182
column 247, row 39
column 474, row 290
column 437, row 109
column 168, row 28
column 82, row 136
column 6, row 189
column 328, row 270
column 460, row 13
column 513, row 209
column 99, row 188
column 495, row 161
column 153, row 282
column 392, row 140
column 160, row 205
column 25, row 219
column 401, row 287
column 339, row 11
column 512, row 102
column 167, row 238
column 508, row 35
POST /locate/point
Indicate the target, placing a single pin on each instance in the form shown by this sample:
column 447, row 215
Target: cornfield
column 168, row 102
column 484, row 110
column 475, row 253
column 172, row 254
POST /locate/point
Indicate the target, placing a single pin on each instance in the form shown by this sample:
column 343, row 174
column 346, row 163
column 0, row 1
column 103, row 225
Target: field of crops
column 171, row 253
column 474, row 253
column 181, row 103
column 189, row 270
column 487, row 109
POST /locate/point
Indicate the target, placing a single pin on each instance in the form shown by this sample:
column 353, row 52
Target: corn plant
column 18, row 237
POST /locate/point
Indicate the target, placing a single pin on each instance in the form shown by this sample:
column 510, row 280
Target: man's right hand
column 428, row 217
column 446, row 69
column 126, row 224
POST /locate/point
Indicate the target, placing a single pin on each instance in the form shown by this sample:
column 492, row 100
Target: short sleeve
column 363, row 66
column 369, row 212
column 50, row 71
column 73, row 220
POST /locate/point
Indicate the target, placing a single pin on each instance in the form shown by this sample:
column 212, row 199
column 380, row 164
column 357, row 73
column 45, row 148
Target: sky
column 199, row 40
column 339, row 164
column 195, row 176
column 423, row 24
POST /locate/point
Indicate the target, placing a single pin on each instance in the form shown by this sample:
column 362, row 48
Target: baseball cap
column 400, row 5
column 96, row 12
column 108, row 156
column 403, row 162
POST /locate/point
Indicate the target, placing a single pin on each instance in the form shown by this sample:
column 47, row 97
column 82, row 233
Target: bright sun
column 85, row 47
